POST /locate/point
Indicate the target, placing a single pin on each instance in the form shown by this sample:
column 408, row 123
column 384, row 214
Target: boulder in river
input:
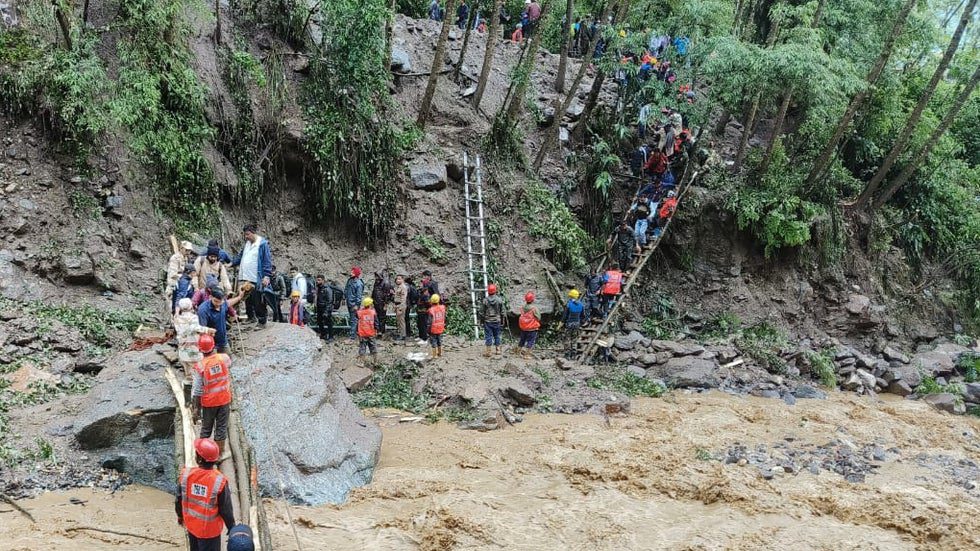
column 305, row 429
column 127, row 420
column 689, row 371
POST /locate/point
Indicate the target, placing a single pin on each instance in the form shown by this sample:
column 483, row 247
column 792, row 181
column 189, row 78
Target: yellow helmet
column 368, row 301
column 573, row 293
column 434, row 299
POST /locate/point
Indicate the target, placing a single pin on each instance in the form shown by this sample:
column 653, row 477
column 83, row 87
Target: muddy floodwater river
column 690, row 471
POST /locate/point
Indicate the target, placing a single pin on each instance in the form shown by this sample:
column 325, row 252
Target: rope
column 282, row 486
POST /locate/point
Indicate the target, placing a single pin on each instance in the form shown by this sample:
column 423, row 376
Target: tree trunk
column 437, row 62
column 63, row 22
column 913, row 120
column 520, row 89
column 926, row 148
column 470, row 19
column 777, row 129
column 85, row 13
column 590, row 103
column 817, row 14
column 389, row 36
column 492, row 33
column 823, row 160
column 551, row 133
column 217, row 21
column 723, row 120
column 738, row 15
column 565, row 32
column 747, row 131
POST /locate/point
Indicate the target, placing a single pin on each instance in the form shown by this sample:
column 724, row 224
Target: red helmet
column 205, row 343
column 491, row 289
column 207, row 449
column 355, row 271
column 529, row 298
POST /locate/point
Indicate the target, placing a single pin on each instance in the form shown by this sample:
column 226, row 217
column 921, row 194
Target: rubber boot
column 222, row 454
column 499, row 351
column 486, row 352
column 440, row 351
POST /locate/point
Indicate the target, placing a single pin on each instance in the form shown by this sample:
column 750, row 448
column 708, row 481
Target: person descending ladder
column 476, row 240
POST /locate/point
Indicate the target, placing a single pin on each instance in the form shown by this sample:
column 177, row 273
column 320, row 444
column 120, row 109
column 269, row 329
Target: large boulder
column 971, row 392
column 429, row 177
column 676, row 348
column 400, row 61
column 127, row 420
column 936, row 362
column 945, row 401
column 688, row 371
column 301, row 421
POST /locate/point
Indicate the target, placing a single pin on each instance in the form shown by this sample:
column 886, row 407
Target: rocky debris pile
column 963, row 472
column 126, row 422
column 840, row 456
column 310, row 440
column 60, row 475
column 49, row 343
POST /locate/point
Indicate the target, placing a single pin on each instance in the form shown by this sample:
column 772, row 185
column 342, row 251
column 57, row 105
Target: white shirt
column 299, row 284
column 248, row 269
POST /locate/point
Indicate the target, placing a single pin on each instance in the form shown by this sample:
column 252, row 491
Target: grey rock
column 636, row 371
column 429, row 177
column 547, row 117
column 941, row 360
column 971, row 392
column 628, row 341
column 401, row 62
column 899, row 387
column 688, row 371
column 867, row 379
column 789, row 399
column 943, row 401
column 302, row 423
column 575, row 111
column 127, row 419
column 894, row 355
column 676, row 348
column 857, row 304
column 77, row 268
column 517, row 391
column 807, row 392
column 891, row 375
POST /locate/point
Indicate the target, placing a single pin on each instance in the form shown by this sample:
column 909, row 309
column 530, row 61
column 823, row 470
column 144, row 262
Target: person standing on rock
column 435, row 12
column 437, row 325
column 429, row 288
column 211, row 264
column 462, row 14
column 529, row 323
column 175, row 268
column 279, row 292
column 213, row 313
column 593, row 288
column 493, row 319
column 366, row 328
column 573, row 321
column 324, row 306
column 211, row 392
column 189, row 330
column 203, row 502
column 412, row 296
column 401, row 307
column 254, row 264
column 297, row 313
column 297, row 282
column 353, row 295
column 381, row 293
column 612, row 284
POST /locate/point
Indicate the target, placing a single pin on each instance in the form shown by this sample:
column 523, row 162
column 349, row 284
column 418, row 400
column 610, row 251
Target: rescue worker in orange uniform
column 211, row 392
column 529, row 323
column 437, row 325
column 203, row 499
column 366, row 328
column 612, row 285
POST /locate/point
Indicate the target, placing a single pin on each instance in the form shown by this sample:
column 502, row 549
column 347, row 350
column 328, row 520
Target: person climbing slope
column 573, row 321
column 189, row 330
column 211, row 392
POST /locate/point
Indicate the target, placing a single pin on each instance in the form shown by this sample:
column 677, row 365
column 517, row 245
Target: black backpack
column 310, row 290
column 338, row 296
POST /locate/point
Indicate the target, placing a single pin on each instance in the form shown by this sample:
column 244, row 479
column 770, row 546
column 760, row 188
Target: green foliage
column 391, row 387
column 505, row 142
column 459, row 319
column 762, row 342
column 350, row 135
column 543, row 373
column 433, row 249
column 37, row 393
column 929, row 385
column 618, row 379
column 969, row 364
column 662, row 320
column 549, row 217
column 84, row 205
column 95, row 324
column 721, row 326
column 823, row 367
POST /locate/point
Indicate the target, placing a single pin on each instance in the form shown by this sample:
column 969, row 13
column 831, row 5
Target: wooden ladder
column 589, row 336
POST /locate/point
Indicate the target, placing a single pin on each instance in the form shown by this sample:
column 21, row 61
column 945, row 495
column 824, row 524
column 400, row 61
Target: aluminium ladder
column 476, row 255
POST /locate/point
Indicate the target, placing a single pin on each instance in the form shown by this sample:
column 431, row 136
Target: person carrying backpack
column 529, row 323
column 323, row 300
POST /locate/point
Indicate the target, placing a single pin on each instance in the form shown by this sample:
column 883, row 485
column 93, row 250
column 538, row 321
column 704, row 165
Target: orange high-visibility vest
column 217, row 380
column 437, row 314
column 199, row 489
column 614, row 282
column 365, row 323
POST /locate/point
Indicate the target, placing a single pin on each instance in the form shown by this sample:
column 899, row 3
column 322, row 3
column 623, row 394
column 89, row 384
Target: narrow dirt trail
column 652, row 480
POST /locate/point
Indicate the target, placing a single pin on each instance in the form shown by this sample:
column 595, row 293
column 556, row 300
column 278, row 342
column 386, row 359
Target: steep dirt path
column 652, row 480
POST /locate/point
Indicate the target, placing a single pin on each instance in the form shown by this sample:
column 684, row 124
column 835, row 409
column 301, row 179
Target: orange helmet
column 529, row 298
column 207, row 449
column 205, row 343
column 491, row 289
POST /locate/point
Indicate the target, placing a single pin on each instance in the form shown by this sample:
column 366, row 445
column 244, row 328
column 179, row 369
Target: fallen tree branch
column 120, row 533
column 6, row 499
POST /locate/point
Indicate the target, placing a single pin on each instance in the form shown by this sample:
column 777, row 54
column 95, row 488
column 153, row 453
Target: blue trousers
column 492, row 333
column 353, row 321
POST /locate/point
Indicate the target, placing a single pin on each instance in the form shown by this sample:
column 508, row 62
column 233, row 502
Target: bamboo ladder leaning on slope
column 589, row 336
column 476, row 241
